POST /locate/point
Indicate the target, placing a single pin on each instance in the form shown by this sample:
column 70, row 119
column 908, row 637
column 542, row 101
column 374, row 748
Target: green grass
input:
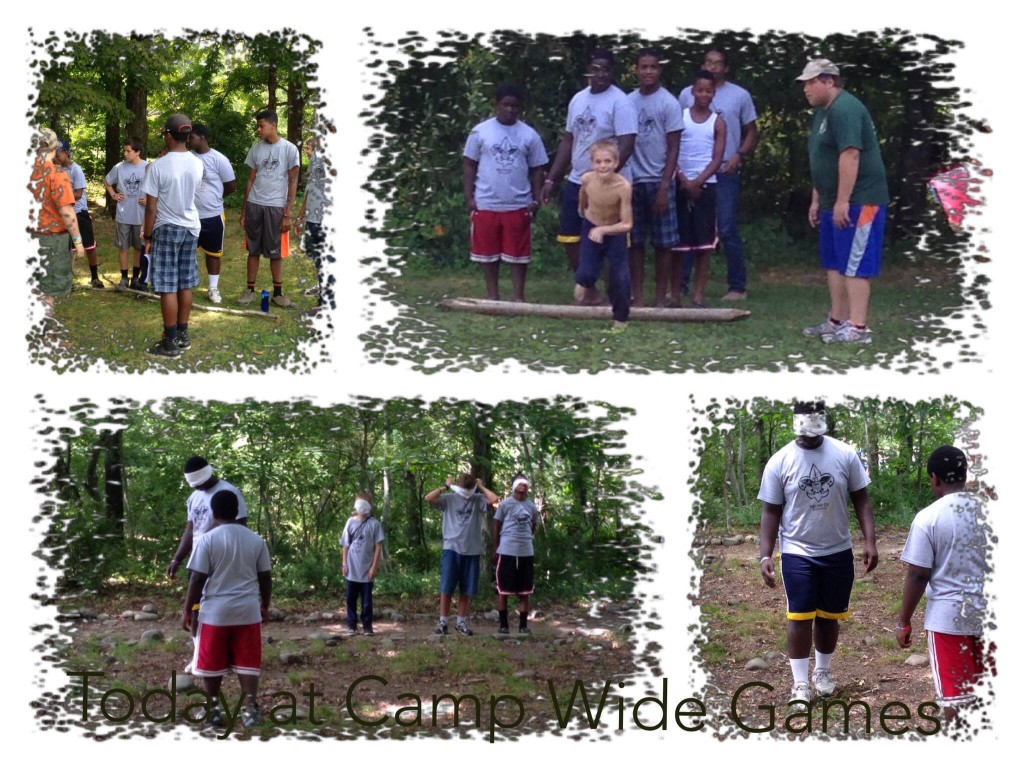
column 787, row 291
column 114, row 329
column 713, row 652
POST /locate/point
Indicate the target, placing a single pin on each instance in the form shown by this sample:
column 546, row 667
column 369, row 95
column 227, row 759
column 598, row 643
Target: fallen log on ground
column 575, row 312
column 204, row 307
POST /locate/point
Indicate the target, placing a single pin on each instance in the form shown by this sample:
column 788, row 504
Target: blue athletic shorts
column 462, row 571
column 569, row 219
column 856, row 250
column 211, row 236
column 818, row 586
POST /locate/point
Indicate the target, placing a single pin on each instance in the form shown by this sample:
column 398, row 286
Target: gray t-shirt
column 812, row 486
column 361, row 537
column 217, row 172
column 462, row 522
column 950, row 537
column 656, row 115
column 316, row 197
column 128, row 180
column 734, row 104
column 518, row 519
column 174, row 180
column 77, row 176
column 505, row 154
column 231, row 555
column 272, row 163
column 593, row 117
column 201, row 515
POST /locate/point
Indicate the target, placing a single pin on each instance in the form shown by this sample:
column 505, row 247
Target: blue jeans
column 727, row 190
column 355, row 590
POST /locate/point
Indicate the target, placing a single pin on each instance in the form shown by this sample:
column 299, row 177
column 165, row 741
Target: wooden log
column 575, row 312
column 204, row 307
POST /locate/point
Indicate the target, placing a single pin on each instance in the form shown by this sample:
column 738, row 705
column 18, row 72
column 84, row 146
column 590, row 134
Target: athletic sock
column 522, row 620
column 834, row 321
column 444, row 621
column 800, row 668
column 94, row 271
column 460, row 621
column 214, row 280
column 171, row 332
column 124, row 274
column 182, row 327
column 277, row 289
column 135, row 272
column 823, row 661
column 251, row 286
column 859, row 327
column 503, row 619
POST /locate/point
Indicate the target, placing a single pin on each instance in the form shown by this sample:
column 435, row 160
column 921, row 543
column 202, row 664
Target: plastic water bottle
column 265, row 301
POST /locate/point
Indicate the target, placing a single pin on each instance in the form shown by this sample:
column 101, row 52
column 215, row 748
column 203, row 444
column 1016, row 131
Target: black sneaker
column 216, row 716
column 97, row 285
column 137, row 285
column 183, row 340
column 441, row 628
column 463, row 629
column 251, row 716
column 525, row 631
column 164, row 348
column 367, row 630
column 502, row 630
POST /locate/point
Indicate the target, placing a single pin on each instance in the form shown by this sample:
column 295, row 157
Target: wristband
column 76, row 240
column 766, row 557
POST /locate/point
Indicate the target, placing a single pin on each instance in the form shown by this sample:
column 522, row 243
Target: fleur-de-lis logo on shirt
column 584, row 125
column 505, row 155
column 817, row 484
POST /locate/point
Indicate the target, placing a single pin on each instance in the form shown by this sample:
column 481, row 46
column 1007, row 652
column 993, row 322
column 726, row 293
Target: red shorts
column 238, row 648
column 958, row 662
column 500, row 235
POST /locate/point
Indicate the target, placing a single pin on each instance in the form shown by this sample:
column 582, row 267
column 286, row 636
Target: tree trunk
column 296, row 107
column 741, row 452
column 113, row 146
column 136, row 100
column 272, row 84
column 113, row 471
column 481, row 464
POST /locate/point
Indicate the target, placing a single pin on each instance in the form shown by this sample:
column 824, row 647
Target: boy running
column 700, row 154
column 606, row 210
column 502, row 175
column 515, row 522
column 124, row 184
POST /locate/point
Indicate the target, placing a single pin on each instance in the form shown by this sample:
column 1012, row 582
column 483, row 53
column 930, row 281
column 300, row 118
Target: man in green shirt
column 848, row 200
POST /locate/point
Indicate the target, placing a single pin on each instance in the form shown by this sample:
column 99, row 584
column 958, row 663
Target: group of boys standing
column 670, row 175
column 173, row 208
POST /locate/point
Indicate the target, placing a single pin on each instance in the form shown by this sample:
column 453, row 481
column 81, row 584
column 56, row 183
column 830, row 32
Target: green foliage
column 299, row 467
column 428, row 96
column 893, row 437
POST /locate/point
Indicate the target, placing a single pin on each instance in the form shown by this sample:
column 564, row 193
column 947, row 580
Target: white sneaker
column 823, row 681
column 215, row 296
column 800, row 697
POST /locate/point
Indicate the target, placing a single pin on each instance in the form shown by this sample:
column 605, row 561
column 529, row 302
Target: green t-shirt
column 844, row 124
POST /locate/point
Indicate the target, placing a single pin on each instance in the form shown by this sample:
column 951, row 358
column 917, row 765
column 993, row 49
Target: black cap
column 64, row 145
column 805, row 407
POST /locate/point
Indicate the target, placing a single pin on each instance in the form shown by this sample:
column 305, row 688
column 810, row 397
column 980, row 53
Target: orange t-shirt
column 52, row 188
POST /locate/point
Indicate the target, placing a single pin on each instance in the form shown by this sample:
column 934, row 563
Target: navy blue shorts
column 818, row 586
column 698, row 220
column 569, row 219
column 462, row 571
column 211, row 236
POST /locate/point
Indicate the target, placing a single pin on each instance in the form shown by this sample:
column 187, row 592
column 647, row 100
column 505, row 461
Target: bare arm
column 469, row 169
column 849, row 163
column 148, row 222
column 562, row 157
column 67, row 215
column 537, row 187
column 626, row 142
column 815, row 209
column 771, row 518
column 716, row 154
column 668, row 175
column 289, row 206
column 491, row 496
column 263, row 577
column 750, row 137
column 229, row 188
column 377, row 550
column 112, row 191
column 866, row 519
column 79, row 192
column 435, row 495
column 196, row 582
column 344, row 561
column 248, row 189
column 913, row 590
column 183, row 550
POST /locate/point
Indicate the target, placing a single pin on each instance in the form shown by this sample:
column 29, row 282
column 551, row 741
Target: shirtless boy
column 606, row 210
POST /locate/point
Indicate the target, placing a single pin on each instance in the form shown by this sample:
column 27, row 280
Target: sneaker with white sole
column 282, row 301
column 826, row 328
column 823, row 681
column 248, row 297
column 215, row 296
column 441, row 628
column 251, row 716
column 463, row 629
column 848, row 334
column 800, row 696
column 123, row 284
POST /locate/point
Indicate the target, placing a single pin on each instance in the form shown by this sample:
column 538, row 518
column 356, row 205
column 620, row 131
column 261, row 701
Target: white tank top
column 697, row 146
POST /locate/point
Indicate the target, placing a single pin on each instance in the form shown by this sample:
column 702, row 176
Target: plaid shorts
column 173, row 265
column 664, row 230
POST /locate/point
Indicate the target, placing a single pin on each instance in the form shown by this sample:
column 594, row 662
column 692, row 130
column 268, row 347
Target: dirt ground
column 745, row 620
column 310, row 647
